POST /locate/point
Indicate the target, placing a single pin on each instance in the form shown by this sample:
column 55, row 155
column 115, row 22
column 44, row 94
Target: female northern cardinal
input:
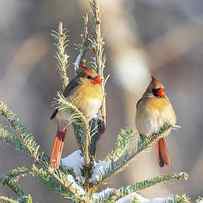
column 153, row 111
column 85, row 92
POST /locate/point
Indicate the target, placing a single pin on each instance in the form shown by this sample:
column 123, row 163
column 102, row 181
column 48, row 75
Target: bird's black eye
column 89, row 77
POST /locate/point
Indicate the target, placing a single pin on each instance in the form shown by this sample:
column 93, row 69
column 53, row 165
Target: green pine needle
column 117, row 165
column 25, row 199
column 25, row 139
column 52, row 183
column 4, row 199
column 182, row 199
column 61, row 38
column 10, row 138
column 121, row 145
column 80, row 125
column 126, row 190
column 12, row 178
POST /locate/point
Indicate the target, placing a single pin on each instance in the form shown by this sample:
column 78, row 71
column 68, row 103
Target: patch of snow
column 74, row 161
column 103, row 195
column 100, row 169
column 141, row 199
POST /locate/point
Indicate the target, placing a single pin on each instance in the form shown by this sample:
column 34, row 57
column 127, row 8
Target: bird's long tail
column 57, row 148
column 163, row 153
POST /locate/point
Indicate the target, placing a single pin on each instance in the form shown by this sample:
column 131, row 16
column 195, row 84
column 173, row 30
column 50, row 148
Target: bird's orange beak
column 159, row 92
column 97, row 80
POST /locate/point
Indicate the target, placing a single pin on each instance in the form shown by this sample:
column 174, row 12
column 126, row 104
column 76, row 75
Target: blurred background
column 142, row 36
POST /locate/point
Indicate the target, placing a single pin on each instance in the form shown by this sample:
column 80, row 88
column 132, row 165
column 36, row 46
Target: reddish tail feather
column 163, row 153
column 57, row 149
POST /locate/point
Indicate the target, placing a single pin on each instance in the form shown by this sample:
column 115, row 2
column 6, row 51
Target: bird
column 154, row 110
column 86, row 93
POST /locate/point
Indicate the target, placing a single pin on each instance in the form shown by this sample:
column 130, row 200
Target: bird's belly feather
column 88, row 100
column 152, row 115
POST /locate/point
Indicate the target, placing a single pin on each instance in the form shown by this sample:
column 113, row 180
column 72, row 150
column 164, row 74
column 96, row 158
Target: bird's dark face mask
column 158, row 92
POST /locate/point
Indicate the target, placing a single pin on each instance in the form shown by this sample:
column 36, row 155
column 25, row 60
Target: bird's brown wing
column 68, row 91
column 71, row 86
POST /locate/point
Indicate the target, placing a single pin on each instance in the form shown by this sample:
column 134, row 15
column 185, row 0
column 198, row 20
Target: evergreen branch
column 25, row 199
column 99, row 42
column 121, row 145
column 98, row 45
column 112, row 167
column 9, row 137
column 59, row 181
column 80, row 125
column 4, row 199
column 68, row 181
column 103, row 196
column 25, row 139
column 181, row 199
column 61, row 44
column 85, row 44
column 56, row 180
column 52, row 182
column 18, row 172
column 28, row 143
column 126, row 190
column 11, row 179
column 12, row 184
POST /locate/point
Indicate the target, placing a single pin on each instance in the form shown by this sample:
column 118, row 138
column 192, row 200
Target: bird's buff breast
column 153, row 113
column 88, row 99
